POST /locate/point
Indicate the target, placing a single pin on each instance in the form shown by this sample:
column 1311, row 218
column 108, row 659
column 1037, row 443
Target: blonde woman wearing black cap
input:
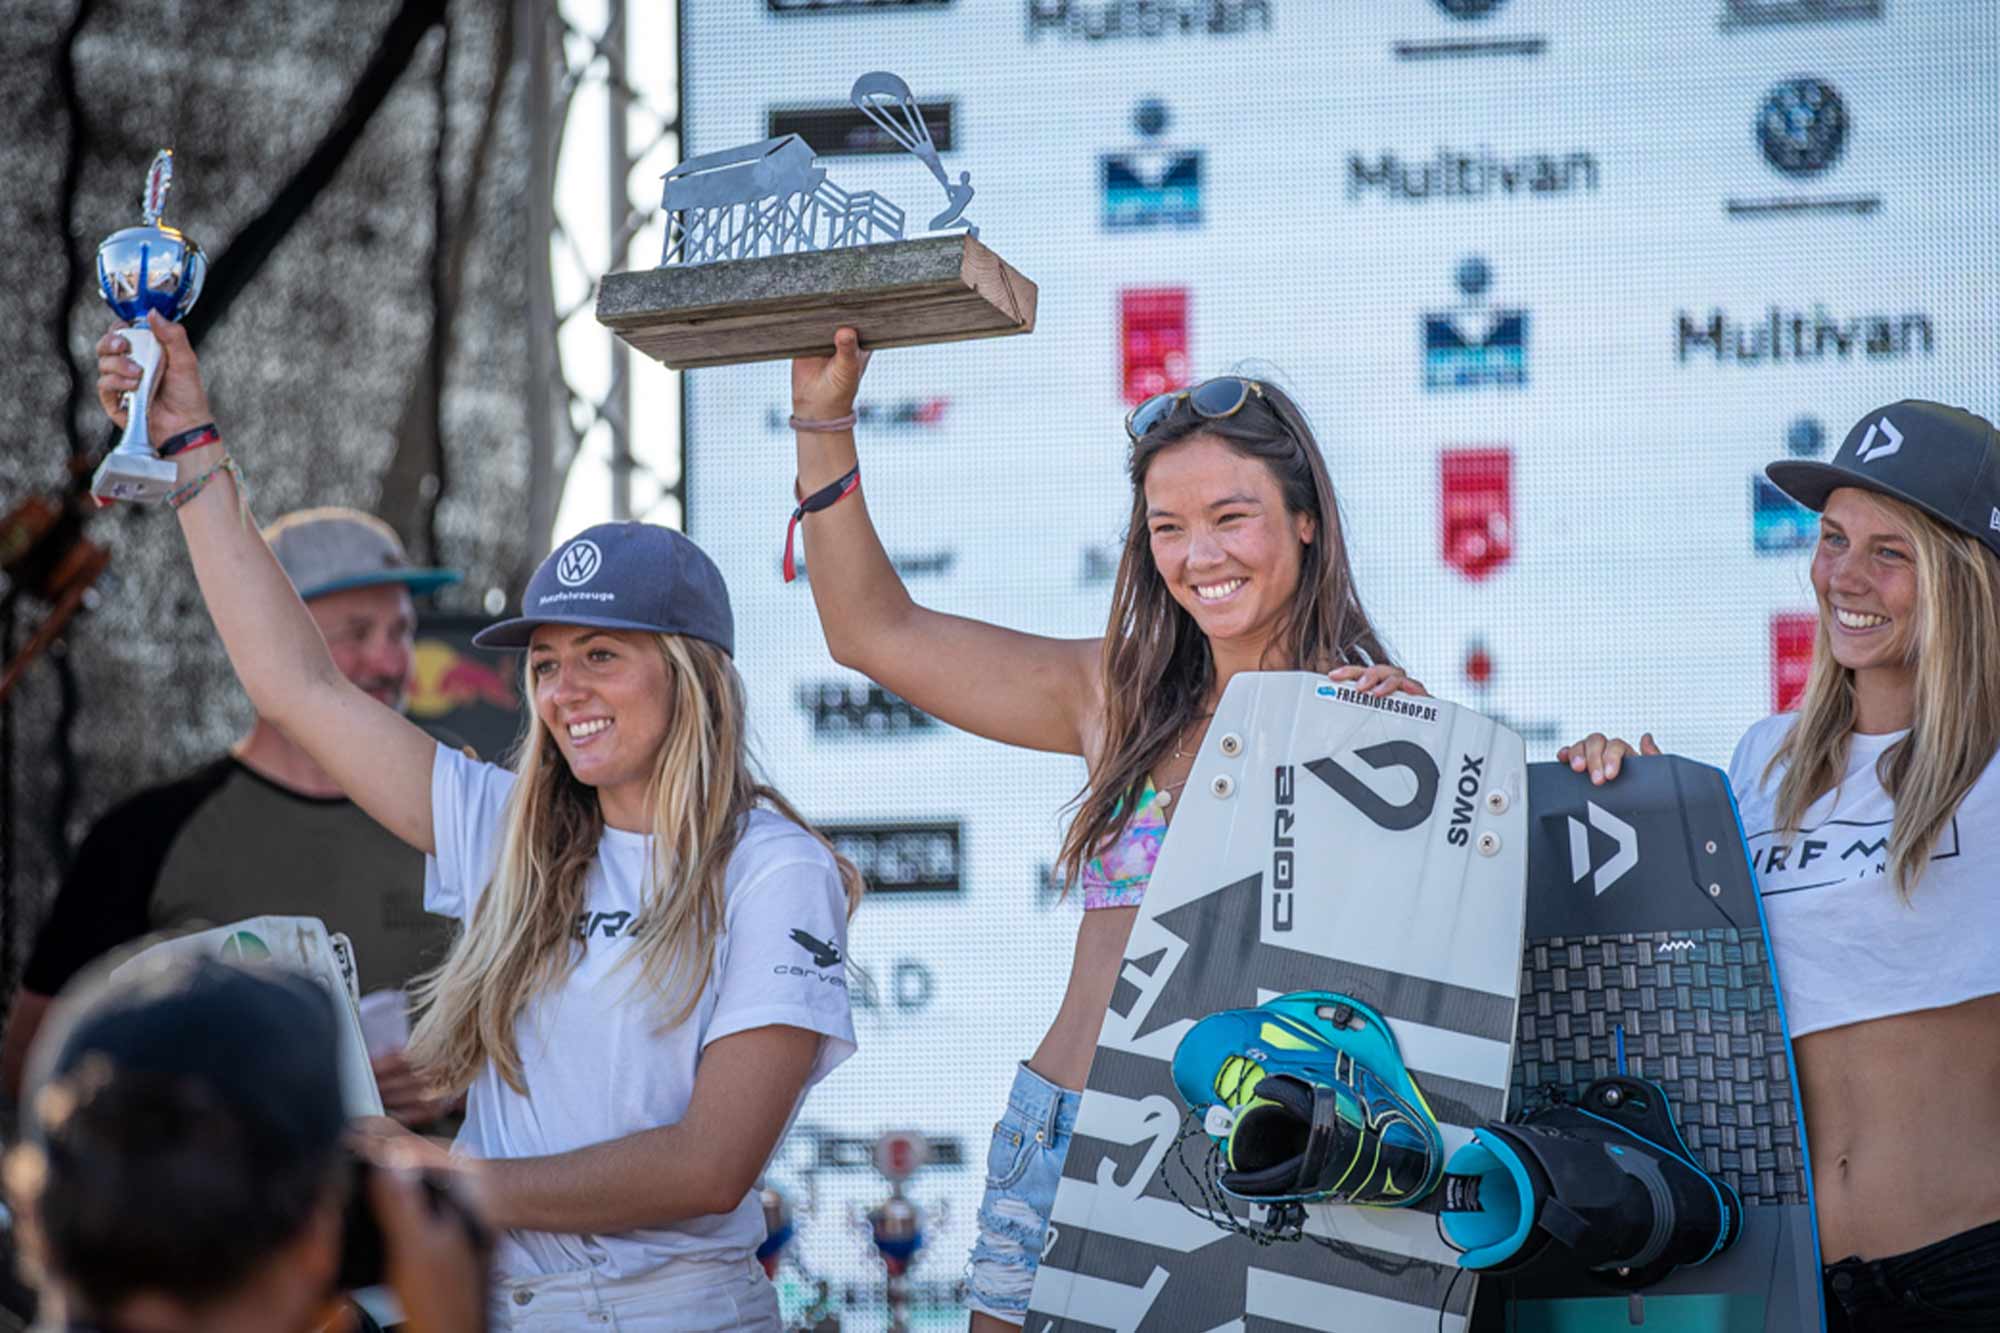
column 652, row 968
column 1873, row 819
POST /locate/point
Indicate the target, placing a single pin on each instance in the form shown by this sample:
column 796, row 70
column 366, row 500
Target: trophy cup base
column 134, row 477
column 930, row 290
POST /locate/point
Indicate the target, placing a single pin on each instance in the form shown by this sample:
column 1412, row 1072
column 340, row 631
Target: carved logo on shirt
column 823, row 954
column 605, row 925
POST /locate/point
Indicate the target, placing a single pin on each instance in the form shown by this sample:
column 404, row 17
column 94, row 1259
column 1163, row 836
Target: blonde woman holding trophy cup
column 629, row 1008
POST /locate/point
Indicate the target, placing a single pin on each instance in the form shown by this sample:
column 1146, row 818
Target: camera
column 363, row 1254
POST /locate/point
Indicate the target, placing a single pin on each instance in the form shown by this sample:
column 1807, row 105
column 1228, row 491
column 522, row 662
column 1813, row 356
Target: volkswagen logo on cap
column 1802, row 127
column 578, row 564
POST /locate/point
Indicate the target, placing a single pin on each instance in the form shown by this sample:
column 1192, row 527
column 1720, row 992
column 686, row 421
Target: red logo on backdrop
column 1476, row 509
column 1153, row 340
column 1792, row 635
column 1478, row 665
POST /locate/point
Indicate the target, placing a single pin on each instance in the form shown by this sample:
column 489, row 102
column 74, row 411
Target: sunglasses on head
column 1212, row 400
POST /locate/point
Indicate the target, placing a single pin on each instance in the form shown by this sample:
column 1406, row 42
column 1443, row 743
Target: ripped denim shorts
column 1022, row 1168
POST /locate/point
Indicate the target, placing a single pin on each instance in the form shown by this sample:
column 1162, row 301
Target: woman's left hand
column 1381, row 680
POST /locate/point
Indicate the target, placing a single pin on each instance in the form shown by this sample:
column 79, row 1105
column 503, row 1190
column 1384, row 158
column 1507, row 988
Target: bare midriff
column 1901, row 1116
column 1063, row 1058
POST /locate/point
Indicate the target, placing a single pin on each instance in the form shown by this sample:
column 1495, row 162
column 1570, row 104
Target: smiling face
column 1224, row 543
column 1865, row 574
column 603, row 695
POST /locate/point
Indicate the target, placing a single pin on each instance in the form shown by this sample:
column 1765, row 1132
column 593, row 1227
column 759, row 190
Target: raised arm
column 1023, row 689
column 379, row 758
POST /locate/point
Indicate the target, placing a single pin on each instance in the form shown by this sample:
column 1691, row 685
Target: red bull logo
column 443, row 680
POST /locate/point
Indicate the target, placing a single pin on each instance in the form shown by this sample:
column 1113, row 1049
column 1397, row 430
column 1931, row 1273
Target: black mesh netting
column 318, row 150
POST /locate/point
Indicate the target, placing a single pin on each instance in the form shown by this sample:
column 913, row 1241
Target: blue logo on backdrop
column 1455, row 174
column 1738, row 14
column 1460, row 46
column 1802, row 128
column 848, row 6
column 1152, row 185
column 1778, row 523
column 1107, row 20
column 1783, row 337
column 1475, row 346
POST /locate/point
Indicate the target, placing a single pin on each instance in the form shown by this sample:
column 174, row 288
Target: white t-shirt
column 1848, row 947
column 597, row 1066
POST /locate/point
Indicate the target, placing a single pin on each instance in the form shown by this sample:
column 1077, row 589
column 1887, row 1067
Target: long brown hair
column 521, row 940
column 1955, row 728
column 1158, row 669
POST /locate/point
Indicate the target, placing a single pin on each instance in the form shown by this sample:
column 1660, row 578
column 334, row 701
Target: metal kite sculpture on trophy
column 765, row 257
column 150, row 267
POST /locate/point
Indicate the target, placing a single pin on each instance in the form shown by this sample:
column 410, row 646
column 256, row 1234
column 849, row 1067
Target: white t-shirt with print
column 1848, row 946
column 597, row 1066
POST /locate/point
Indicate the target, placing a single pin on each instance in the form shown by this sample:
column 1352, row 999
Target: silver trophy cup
column 148, row 267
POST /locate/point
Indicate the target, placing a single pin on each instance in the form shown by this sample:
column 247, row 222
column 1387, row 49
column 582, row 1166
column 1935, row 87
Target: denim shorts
column 1022, row 1168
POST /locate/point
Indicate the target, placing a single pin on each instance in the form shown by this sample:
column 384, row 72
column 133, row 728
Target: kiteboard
column 1331, row 841
column 1646, row 956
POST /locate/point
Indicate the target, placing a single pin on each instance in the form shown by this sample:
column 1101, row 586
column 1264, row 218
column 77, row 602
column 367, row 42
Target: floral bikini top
column 1117, row 876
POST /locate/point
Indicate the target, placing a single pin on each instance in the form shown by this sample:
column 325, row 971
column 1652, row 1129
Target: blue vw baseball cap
column 637, row 576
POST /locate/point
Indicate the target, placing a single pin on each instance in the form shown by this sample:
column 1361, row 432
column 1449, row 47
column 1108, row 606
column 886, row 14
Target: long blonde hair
column 521, row 940
column 1955, row 731
column 1157, row 666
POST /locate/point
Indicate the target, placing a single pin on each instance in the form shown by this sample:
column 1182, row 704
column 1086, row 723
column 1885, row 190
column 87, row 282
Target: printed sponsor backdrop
column 1553, row 280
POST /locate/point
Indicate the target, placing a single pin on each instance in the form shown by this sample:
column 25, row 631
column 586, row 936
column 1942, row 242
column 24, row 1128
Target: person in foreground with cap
column 183, row 1168
column 1873, row 820
column 265, row 830
column 652, row 968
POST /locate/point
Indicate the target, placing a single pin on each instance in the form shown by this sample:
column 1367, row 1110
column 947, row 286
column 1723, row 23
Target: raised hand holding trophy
column 150, row 267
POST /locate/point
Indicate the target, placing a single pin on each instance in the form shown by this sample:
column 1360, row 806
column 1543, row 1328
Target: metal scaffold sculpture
column 773, row 197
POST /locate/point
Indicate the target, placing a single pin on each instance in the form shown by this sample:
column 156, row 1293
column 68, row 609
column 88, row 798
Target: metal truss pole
column 618, row 158
column 535, row 20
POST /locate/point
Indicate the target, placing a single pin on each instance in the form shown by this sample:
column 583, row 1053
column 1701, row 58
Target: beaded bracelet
column 189, row 490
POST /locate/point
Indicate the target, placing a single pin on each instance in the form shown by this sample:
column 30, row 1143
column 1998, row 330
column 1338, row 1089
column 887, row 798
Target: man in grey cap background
column 263, row 830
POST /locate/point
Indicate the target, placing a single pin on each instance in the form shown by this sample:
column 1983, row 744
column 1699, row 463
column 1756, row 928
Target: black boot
column 1606, row 1185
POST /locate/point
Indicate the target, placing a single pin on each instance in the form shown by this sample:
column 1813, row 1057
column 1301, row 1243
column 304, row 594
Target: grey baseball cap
column 1944, row 460
column 636, row 576
column 332, row 549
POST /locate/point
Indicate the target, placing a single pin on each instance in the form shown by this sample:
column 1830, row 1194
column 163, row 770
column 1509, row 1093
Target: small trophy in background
column 896, row 1225
column 141, row 269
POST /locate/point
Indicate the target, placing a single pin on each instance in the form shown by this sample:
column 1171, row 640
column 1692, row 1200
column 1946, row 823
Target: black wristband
column 825, row 497
column 206, row 433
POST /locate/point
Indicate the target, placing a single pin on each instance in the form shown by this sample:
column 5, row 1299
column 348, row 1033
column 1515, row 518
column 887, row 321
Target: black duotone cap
column 1944, row 460
column 637, row 576
column 262, row 1041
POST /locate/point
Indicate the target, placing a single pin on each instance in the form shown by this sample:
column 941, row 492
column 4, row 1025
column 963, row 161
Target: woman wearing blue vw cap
column 1873, row 817
column 651, row 969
